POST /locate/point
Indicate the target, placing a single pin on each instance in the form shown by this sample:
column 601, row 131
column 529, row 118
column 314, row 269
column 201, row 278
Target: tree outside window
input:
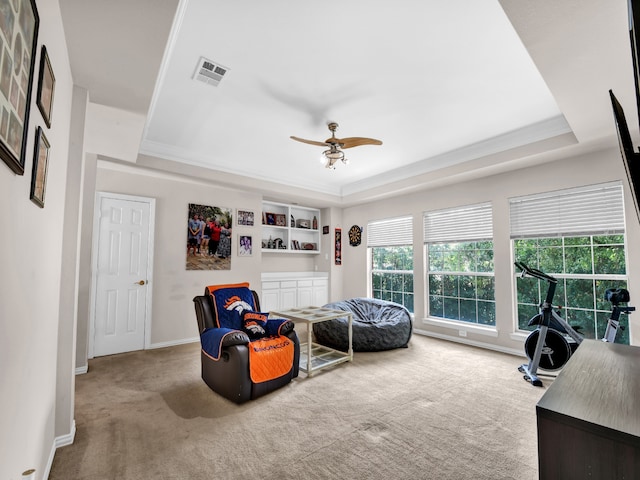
column 461, row 282
column 392, row 274
column 585, row 266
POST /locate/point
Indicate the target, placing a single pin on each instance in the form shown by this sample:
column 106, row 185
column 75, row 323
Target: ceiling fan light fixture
column 332, row 156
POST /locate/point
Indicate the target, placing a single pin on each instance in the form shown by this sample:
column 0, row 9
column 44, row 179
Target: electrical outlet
column 462, row 333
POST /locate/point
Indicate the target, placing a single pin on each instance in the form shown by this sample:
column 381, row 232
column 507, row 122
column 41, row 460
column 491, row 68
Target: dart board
column 355, row 236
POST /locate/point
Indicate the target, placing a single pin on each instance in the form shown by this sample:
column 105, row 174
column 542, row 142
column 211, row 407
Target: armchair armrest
column 235, row 337
column 213, row 340
column 279, row 326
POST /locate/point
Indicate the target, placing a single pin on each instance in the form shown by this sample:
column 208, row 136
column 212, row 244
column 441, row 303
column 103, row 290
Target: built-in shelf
column 290, row 229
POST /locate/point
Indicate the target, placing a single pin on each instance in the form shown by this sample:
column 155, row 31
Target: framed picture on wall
column 46, row 87
column 245, row 218
column 39, row 173
column 245, row 247
column 209, row 230
column 19, row 23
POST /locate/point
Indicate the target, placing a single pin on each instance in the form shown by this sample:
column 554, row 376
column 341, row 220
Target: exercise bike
column 552, row 343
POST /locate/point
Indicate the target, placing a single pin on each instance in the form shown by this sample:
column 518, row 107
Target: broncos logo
column 237, row 304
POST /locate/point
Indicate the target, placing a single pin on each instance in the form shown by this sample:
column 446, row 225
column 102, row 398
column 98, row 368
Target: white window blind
column 473, row 222
column 393, row 231
column 596, row 209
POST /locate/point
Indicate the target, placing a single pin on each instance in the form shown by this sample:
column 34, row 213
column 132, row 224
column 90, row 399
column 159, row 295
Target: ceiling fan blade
column 311, row 142
column 357, row 141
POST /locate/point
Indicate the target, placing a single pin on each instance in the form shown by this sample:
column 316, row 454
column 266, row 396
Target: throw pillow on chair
column 254, row 324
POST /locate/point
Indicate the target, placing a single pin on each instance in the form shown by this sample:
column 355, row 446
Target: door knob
column 141, row 282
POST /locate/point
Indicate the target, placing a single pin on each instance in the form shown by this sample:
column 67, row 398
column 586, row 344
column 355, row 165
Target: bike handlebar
column 533, row 272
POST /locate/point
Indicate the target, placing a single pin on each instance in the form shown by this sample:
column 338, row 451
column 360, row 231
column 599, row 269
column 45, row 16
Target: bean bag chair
column 377, row 325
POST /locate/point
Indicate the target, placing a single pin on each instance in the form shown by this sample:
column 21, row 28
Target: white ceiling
column 450, row 86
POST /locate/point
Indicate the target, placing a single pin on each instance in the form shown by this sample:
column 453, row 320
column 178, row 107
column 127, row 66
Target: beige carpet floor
column 435, row 410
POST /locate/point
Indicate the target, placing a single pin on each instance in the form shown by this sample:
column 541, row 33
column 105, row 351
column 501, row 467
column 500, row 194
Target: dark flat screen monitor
column 630, row 158
column 634, row 38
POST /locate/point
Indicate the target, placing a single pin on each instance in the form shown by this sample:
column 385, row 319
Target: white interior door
column 122, row 274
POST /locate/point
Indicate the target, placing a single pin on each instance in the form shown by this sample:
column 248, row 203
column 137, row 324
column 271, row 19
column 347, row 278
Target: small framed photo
column 281, row 220
column 268, row 218
column 46, row 87
column 40, row 163
column 245, row 247
column 245, row 218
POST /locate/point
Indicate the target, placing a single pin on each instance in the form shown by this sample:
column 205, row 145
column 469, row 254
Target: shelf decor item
column 281, row 220
column 290, row 228
column 46, row 87
column 19, row 23
column 268, row 218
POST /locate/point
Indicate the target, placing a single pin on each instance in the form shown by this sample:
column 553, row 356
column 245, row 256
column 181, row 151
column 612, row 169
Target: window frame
column 374, row 271
column 598, row 325
column 391, row 233
column 555, row 216
column 459, row 225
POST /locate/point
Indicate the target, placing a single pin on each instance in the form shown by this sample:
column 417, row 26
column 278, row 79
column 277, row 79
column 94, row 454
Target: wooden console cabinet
column 589, row 418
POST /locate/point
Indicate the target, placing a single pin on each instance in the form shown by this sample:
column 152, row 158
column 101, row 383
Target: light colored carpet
column 435, row 410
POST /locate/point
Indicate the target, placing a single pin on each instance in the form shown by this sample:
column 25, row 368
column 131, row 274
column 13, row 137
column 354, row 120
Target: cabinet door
column 320, row 294
column 305, row 297
column 270, row 300
column 288, row 298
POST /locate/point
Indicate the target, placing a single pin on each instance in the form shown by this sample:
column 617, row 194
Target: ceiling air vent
column 209, row 72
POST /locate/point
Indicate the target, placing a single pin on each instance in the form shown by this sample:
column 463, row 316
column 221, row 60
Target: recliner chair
column 237, row 362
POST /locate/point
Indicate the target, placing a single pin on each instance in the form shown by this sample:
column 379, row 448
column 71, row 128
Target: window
column 576, row 236
column 391, row 248
column 460, row 279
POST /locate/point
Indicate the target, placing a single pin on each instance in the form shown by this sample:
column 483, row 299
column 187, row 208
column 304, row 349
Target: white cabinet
column 305, row 293
column 288, row 294
column 320, row 292
column 290, row 228
column 270, row 298
column 287, row 290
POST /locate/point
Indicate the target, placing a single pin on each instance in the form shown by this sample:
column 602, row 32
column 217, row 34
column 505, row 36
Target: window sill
column 462, row 327
column 519, row 336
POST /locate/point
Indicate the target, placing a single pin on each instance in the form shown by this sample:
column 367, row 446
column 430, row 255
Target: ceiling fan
column 336, row 145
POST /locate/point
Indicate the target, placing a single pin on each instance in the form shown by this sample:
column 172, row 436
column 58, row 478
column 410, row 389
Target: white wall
column 589, row 169
column 173, row 287
column 30, row 286
column 113, row 132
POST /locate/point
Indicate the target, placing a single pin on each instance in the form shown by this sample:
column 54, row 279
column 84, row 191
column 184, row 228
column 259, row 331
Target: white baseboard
column 64, row 440
column 466, row 341
column 174, row 342
column 82, row 370
column 61, row 441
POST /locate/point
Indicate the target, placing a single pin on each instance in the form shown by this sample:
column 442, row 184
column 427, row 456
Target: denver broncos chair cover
column 244, row 354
